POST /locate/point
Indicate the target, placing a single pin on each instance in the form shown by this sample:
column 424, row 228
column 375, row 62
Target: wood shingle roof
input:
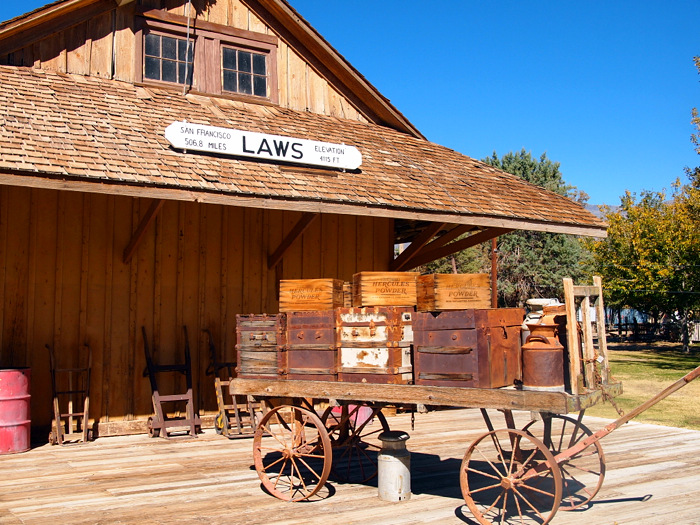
column 92, row 134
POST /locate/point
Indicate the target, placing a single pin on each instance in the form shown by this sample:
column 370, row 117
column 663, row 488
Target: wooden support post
column 494, row 273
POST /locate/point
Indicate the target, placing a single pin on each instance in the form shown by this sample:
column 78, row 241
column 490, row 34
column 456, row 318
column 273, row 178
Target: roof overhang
column 38, row 180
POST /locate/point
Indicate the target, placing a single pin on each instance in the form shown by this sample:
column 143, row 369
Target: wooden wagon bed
column 499, row 398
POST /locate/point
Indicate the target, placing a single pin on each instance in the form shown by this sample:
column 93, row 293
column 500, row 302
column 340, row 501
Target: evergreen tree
column 533, row 264
column 530, row 264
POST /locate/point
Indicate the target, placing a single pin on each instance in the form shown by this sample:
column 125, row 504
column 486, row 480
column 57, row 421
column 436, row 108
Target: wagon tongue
column 571, row 452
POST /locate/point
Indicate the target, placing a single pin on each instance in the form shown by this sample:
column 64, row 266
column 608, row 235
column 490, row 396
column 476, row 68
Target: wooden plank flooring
column 653, row 477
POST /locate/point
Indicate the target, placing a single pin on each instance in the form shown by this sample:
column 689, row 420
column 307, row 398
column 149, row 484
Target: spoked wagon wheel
column 292, row 453
column 353, row 431
column 510, row 477
column 583, row 472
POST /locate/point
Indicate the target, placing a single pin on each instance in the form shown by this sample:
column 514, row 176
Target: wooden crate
column 471, row 348
column 261, row 346
column 300, row 295
column 439, row 292
column 384, row 289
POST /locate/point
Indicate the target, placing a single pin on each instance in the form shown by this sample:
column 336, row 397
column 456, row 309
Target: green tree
column 530, row 263
column 650, row 259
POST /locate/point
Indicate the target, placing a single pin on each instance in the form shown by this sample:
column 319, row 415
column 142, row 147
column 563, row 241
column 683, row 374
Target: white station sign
column 224, row 141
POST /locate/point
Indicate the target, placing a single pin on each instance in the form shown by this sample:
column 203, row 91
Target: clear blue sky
column 603, row 87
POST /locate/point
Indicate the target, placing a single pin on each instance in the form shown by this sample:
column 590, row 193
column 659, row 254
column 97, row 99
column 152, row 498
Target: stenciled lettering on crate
column 302, row 295
column 384, row 289
column 440, row 292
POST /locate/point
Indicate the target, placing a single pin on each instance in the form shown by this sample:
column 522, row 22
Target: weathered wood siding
column 103, row 46
column 63, row 282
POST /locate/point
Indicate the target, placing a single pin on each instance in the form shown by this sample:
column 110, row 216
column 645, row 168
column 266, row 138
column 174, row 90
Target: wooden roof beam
column 454, row 247
column 138, row 235
column 450, row 236
column 296, row 232
column 437, row 243
column 416, row 244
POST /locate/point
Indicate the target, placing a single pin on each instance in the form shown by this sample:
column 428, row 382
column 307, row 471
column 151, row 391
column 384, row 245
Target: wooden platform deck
column 653, row 477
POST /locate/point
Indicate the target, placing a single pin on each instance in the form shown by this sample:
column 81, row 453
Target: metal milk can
column 543, row 359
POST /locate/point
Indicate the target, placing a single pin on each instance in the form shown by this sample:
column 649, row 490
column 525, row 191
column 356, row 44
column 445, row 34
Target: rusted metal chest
column 261, row 346
column 375, row 344
column 472, row 348
column 312, row 346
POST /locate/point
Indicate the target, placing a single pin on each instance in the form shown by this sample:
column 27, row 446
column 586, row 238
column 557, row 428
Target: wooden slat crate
column 299, row 295
column 261, row 346
column 375, row 344
column 312, row 346
column 384, row 289
column 440, row 292
column 472, row 348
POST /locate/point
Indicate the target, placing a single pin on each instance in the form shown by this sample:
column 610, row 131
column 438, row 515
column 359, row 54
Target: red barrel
column 15, row 424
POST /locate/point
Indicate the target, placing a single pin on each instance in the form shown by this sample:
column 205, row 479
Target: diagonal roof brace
column 448, row 249
column 140, row 231
column 416, row 245
column 296, row 232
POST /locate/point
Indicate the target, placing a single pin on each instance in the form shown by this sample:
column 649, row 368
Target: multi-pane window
column 244, row 72
column 166, row 59
column 221, row 60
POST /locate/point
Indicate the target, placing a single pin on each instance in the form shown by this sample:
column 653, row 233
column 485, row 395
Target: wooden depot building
column 164, row 163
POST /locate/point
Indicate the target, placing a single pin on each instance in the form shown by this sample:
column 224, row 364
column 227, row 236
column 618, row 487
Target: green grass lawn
column 646, row 369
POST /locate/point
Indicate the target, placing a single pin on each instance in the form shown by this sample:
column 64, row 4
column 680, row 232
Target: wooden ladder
column 586, row 355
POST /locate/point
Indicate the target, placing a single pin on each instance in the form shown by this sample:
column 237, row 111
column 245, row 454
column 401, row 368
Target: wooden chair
column 588, row 357
column 71, row 399
column 161, row 420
